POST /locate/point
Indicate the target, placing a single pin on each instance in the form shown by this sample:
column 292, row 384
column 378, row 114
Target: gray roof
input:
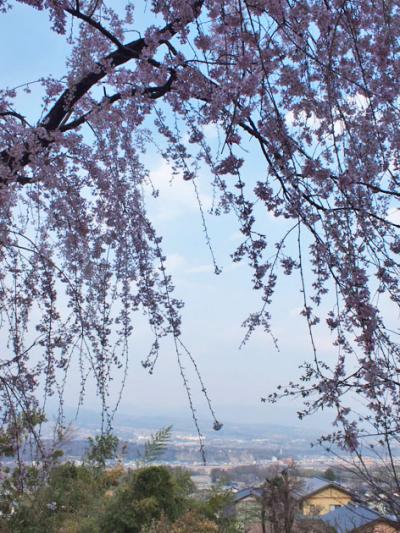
column 314, row 484
column 345, row 519
column 245, row 493
column 308, row 486
column 238, row 497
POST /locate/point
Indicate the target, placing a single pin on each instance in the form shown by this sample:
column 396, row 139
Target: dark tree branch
column 89, row 20
column 151, row 92
column 15, row 115
column 63, row 107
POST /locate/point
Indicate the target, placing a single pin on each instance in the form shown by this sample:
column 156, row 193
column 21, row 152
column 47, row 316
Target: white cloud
column 295, row 311
column 176, row 197
column 393, row 215
column 200, row 269
column 312, row 121
column 236, row 236
column 177, row 263
column 174, row 263
column 210, row 131
column 360, row 101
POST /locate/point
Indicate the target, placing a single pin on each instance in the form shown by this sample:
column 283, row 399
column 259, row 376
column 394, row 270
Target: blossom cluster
column 314, row 84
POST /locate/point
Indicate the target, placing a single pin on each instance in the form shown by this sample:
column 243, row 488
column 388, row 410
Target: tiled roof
column 314, row 484
column 308, row 486
column 245, row 493
column 349, row 517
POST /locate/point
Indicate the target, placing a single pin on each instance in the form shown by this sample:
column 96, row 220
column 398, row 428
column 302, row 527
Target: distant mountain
column 123, row 422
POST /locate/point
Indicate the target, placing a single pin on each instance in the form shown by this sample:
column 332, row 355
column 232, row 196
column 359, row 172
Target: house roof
column 239, row 496
column 246, row 493
column 309, row 486
column 349, row 517
column 313, row 485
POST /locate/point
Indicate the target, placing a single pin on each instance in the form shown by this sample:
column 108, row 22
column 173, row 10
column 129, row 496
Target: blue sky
column 215, row 305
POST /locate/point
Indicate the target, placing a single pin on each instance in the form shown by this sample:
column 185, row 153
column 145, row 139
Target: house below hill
column 320, row 496
column 322, row 506
column 359, row 519
column 316, row 497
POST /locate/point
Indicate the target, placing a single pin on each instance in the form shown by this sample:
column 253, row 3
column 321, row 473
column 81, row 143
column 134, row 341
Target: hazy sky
column 215, row 305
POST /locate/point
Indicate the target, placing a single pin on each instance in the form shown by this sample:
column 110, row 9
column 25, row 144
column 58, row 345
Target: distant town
column 240, row 450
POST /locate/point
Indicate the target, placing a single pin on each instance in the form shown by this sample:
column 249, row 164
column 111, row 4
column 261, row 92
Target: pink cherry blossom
column 313, row 84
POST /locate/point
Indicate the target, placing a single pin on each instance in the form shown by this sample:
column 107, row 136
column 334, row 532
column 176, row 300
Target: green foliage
column 155, row 482
column 183, row 482
column 146, row 495
column 102, row 448
column 156, row 445
column 70, row 493
column 190, row 522
column 199, row 516
column 14, row 434
column 214, row 507
column 7, row 448
column 89, row 499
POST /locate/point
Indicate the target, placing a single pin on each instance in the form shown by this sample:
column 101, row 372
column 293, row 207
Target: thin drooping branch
column 322, row 105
